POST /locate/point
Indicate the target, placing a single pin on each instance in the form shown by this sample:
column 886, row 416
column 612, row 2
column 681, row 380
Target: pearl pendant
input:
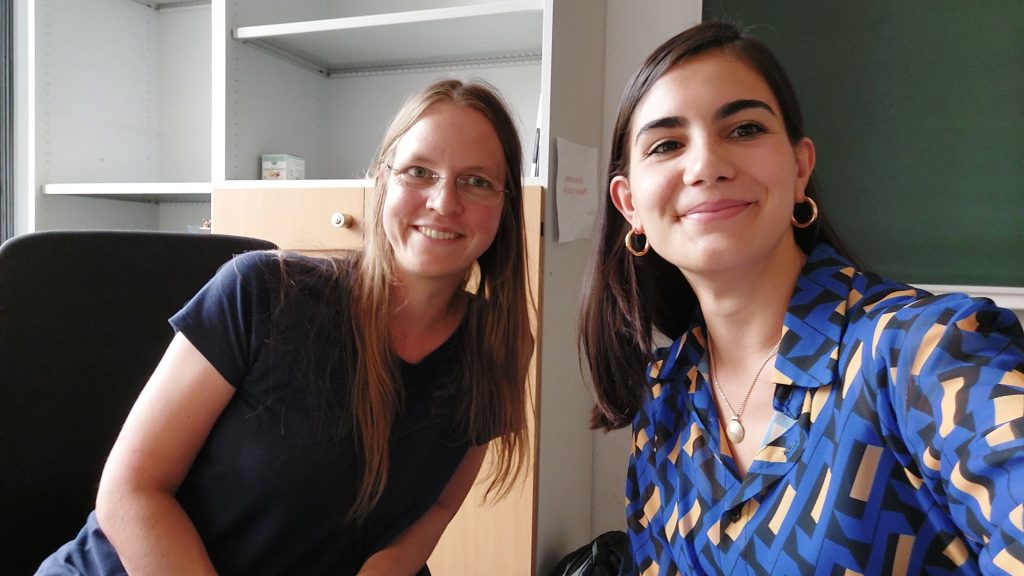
column 735, row 431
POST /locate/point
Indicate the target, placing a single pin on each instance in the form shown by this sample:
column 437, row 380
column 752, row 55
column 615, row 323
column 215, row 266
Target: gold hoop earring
column 629, row 243
column 814, row 214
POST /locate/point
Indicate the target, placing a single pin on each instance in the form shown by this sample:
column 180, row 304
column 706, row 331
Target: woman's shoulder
column 283, row 260
column 290, row 269
column 869, row 295
column 878, row 296
column 901, row 314
column 849, row 304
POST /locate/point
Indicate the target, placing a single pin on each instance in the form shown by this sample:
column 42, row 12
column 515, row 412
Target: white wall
column 359, row 109
column 185, row 80
column 97, row 91
column 573, row 83
column 182, row 216
column 24, row 111
column 634, row 30
column 274, row 107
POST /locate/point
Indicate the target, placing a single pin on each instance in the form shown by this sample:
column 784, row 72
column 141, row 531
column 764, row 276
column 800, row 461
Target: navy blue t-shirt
column 271, row 487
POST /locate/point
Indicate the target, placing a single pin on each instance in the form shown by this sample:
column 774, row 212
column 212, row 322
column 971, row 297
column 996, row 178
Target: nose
column 444, row 197
column 707, row 162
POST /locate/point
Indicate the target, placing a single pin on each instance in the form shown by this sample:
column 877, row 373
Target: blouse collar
column 813, row 327
column 815, row 320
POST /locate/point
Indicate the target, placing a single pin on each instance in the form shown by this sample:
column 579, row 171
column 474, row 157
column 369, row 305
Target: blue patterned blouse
column 897, row 445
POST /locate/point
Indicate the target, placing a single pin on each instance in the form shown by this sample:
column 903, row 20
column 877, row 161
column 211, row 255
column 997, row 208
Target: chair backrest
column 83, row 322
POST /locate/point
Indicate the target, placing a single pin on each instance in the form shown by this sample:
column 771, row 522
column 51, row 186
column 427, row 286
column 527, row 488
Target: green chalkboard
column 917, row 112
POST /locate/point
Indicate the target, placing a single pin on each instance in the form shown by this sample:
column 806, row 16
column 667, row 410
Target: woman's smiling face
column 712, row 175
column 439, row 232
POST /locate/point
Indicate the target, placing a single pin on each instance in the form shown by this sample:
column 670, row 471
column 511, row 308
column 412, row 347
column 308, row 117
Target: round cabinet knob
column 341, row 220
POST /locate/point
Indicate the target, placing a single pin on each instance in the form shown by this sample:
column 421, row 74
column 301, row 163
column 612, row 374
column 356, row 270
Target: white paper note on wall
column 575, row 190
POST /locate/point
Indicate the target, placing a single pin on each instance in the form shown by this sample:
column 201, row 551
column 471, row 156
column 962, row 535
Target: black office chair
column 83, row 323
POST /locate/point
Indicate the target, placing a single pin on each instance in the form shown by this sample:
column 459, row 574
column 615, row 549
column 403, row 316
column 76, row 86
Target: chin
column 713, row 262
column 430, row 272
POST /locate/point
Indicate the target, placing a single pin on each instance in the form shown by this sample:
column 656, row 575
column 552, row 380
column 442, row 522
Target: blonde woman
column 328, row 416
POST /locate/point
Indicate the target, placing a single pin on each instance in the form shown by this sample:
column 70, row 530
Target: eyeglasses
column 472, row 187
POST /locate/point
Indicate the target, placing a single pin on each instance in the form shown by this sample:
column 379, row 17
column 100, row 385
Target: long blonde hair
column 498, row 343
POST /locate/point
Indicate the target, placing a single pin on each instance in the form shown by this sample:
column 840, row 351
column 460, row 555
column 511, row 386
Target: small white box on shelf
column 283, row 167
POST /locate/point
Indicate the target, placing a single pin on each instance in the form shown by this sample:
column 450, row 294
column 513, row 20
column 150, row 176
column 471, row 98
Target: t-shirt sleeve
column 229, row 319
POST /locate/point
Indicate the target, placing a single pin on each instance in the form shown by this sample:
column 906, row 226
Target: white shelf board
column 499, row 31
column 1004, row 296
column 152, row 192
column 172, row 4
column 321, row 183
column 286, row 184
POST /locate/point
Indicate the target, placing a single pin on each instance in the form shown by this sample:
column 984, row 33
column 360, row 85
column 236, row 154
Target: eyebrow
column 726, row 110
column 476, row 169
column 730, row 108
column 663, row 122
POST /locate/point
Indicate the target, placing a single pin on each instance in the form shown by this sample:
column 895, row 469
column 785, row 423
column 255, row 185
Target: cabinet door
column 305, row 219
column 498, row 538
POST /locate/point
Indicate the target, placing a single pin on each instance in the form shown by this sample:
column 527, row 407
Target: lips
column 716, row 209
column 435, row 234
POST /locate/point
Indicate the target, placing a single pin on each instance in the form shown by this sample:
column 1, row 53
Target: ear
column 622, row 198
column 804, row 150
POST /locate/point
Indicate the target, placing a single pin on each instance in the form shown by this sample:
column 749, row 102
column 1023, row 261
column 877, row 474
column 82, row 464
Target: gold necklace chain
column 735, row 430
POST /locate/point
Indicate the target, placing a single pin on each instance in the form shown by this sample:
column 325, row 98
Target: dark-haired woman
column 808, row 417
column 328, row 416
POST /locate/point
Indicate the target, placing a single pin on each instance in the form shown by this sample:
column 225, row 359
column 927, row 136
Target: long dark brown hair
column 497, row 342
column 628, row 297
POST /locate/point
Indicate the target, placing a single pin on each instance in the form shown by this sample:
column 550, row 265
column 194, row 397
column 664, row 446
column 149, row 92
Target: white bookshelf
column 147, row 192
column 122, row 120
column 325, row 87
column 480, row 34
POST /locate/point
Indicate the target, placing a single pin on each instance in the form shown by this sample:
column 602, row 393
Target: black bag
column 606, row 555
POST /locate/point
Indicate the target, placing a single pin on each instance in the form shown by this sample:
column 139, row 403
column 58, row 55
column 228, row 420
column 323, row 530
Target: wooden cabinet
column 499, row 538
column 293, row 217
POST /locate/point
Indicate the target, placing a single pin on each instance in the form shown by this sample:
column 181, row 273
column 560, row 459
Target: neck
column 744, row 309
column 423, row 318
